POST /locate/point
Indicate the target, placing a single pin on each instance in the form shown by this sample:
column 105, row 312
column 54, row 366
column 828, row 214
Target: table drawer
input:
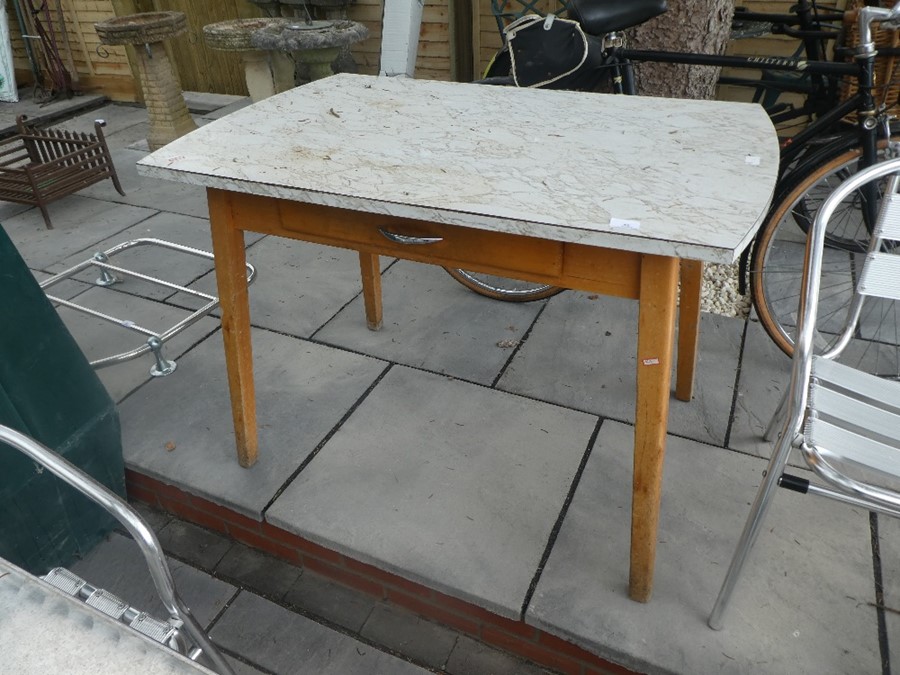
column 448, row 245
column 569, row 265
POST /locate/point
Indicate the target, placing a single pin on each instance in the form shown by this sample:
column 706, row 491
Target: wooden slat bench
column 38, row 166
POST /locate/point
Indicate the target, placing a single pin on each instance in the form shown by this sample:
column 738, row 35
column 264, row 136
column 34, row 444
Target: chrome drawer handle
column 406, row 239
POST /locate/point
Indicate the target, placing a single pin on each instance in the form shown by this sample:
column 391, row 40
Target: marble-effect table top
column 686, row 178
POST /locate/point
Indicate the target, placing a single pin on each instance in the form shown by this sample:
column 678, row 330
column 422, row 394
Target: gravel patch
column 719, row 293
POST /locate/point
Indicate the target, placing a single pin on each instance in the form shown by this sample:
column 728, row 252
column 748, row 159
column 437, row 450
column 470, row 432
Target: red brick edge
column 516, row 637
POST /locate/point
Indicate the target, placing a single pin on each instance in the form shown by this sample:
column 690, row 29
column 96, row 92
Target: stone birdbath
column 169, row 117
column 314, row 43
column 267, row 71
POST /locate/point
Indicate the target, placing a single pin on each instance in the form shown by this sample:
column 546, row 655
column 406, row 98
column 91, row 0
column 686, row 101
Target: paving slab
column 889, row 547
column 273, row 638
column 151, row 193
column 803, row 604
column 398, row 630
column 205, row 102
column 118, row 566
column 319, row 596
column 443, row 482
column 765, row 373
column 118, row 118
column 50, row 112
column 265, row 574
column 79, row 223
column 302, row 391
column 228, row 109
column 470, row 657
column 299, row 286
column 67, row 289
column 198, row 546
column 101, row 339
column 581, row 354
column 433, row 322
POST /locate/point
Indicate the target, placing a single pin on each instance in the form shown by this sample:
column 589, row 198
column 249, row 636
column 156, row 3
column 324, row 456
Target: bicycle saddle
column 605, row 16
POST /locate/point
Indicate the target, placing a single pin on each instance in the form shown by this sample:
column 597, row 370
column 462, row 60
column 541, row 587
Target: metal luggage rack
column 111, row 274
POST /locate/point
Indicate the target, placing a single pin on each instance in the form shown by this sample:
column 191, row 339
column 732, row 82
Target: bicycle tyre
column 776, row 266
column 503, row 288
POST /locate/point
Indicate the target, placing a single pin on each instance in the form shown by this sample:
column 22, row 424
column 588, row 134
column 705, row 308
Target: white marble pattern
column 690, row 178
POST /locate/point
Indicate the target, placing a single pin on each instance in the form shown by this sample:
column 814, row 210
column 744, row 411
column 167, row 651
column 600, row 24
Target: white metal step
column 881, row 276
column 111, row 605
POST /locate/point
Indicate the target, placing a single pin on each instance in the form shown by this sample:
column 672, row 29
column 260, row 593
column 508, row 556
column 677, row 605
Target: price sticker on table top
column 625, row 222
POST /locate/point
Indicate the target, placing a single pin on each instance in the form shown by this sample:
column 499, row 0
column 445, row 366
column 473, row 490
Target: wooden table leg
column 688, row 328
column 656, row 331
column 231, row 277
column 370, row 267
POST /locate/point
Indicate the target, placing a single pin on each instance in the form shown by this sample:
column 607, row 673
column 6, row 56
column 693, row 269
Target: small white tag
column 548, row 22
column 623, row 222
column 651, row 362
column 752, row 160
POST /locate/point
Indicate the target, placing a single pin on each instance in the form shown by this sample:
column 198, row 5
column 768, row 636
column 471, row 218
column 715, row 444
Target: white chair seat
column 856, row 419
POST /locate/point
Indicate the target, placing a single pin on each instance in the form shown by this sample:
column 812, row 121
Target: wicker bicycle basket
column 887, row 77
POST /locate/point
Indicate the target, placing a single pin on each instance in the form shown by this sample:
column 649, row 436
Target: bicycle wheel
column 776, row 268
column 503, row 288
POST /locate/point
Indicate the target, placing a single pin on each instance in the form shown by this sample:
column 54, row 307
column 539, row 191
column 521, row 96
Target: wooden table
column 607, row 194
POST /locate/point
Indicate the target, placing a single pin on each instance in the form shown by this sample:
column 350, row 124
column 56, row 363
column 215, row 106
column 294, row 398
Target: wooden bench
column 38, row 166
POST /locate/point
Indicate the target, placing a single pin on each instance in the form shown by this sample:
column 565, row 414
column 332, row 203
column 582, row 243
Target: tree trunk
column 698, row 26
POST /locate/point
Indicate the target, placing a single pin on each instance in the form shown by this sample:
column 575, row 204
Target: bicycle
column 816, row 159
column 813, row 28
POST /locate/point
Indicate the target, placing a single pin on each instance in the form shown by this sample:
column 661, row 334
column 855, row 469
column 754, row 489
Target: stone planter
column 315, row 43
column 267, row 72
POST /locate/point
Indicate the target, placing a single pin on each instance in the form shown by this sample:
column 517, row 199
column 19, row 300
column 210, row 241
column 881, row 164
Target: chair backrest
column 850, row 418
column 507, row 11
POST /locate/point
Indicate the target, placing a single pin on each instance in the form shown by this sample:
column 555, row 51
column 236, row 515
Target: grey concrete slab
column 447, row 483
column 154, row 517
column 200, row 547
column 765, row 373
column 101, row 339
column 44, row 113
column 228, row 109
column 302, row 391
column 803, row 604
column 118, row 566
column 273, row 638
column 319, row 596
column 432, row 322
column 66, row 289
column 299, row 286
column 423, row 641
column 202, row 102
column 241, row 668
column 151, row 193
column 118, row 118
column 78, row 224
column 889, row 548
column 152, row 260
column 470, row 657
column 10, row 209
column 264, row 574
column 582, row 351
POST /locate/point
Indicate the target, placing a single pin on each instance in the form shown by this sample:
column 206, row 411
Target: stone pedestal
column 169, row 116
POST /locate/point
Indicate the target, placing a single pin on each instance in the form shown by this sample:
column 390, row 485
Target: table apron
column 587, row 268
